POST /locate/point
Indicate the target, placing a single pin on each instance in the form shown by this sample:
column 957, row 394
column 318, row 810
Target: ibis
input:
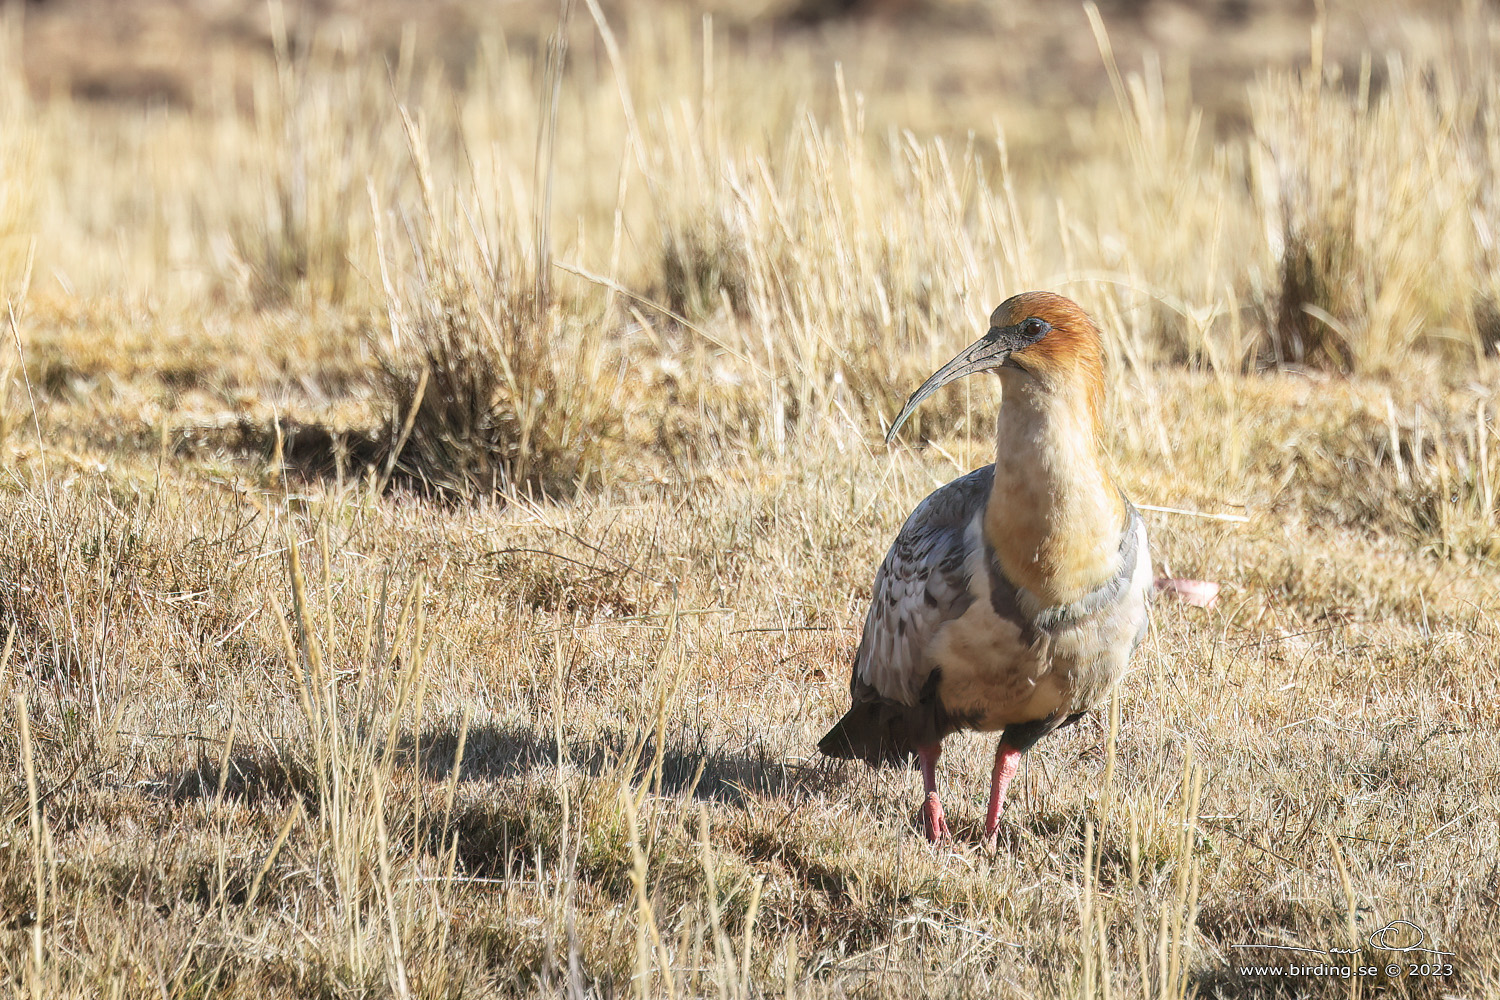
column 1013, row 597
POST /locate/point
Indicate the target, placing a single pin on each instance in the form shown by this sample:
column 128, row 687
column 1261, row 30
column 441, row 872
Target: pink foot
column 934, row 823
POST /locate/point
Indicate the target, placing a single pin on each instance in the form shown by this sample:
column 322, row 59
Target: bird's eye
column 1034, row 328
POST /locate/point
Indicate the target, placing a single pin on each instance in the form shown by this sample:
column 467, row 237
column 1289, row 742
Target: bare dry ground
column 440, row 483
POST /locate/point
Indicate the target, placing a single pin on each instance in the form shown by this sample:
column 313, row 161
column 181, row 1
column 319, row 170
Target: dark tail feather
column 878, row 733
column 887, row 733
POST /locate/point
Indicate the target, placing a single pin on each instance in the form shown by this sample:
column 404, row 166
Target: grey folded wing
column 923, row 583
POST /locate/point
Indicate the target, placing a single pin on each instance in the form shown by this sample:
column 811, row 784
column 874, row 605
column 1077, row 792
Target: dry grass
column 439, row 503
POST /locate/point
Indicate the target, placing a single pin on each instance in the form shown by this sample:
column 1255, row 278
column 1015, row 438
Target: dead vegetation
column 439, row 508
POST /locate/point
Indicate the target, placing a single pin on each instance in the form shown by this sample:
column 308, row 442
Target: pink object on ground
column 933, row 821
column 1198, row 593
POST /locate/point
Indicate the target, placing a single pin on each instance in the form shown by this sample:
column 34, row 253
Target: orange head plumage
column 1041, row 334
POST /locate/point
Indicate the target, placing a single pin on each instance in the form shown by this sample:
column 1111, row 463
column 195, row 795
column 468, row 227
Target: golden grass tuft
column 1364, row 243
column 490, row 385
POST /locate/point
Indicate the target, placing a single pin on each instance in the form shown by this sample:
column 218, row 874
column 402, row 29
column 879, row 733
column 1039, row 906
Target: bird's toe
column 934, row 821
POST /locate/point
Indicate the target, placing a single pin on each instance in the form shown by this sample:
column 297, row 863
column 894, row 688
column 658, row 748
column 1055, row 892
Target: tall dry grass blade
column 226, row 753
column 387, row 892
column 1087, row 905
column 723, row 952
column 648, row 935
column 404, row 436
column 1346, row 883
column 749, row 946
column 1111, row 748
column 293, row 815
column 545, row 165
column 36, row 966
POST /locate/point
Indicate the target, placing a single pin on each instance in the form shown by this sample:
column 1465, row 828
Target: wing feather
column 923, row 582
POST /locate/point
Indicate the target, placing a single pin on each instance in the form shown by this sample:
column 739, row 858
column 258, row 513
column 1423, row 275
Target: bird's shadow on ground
column 691, row 765
column 707, row 768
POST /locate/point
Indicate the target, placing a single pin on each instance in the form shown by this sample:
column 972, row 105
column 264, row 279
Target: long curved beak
column 986, row 353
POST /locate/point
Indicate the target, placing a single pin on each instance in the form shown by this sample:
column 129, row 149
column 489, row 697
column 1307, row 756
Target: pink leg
column 933, row 820
column 1007, row 760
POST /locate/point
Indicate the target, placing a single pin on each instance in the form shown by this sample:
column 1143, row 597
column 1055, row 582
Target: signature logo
column 1398, row 935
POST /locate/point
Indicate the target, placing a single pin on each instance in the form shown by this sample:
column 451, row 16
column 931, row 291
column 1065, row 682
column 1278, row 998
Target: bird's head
column 1038, row 337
